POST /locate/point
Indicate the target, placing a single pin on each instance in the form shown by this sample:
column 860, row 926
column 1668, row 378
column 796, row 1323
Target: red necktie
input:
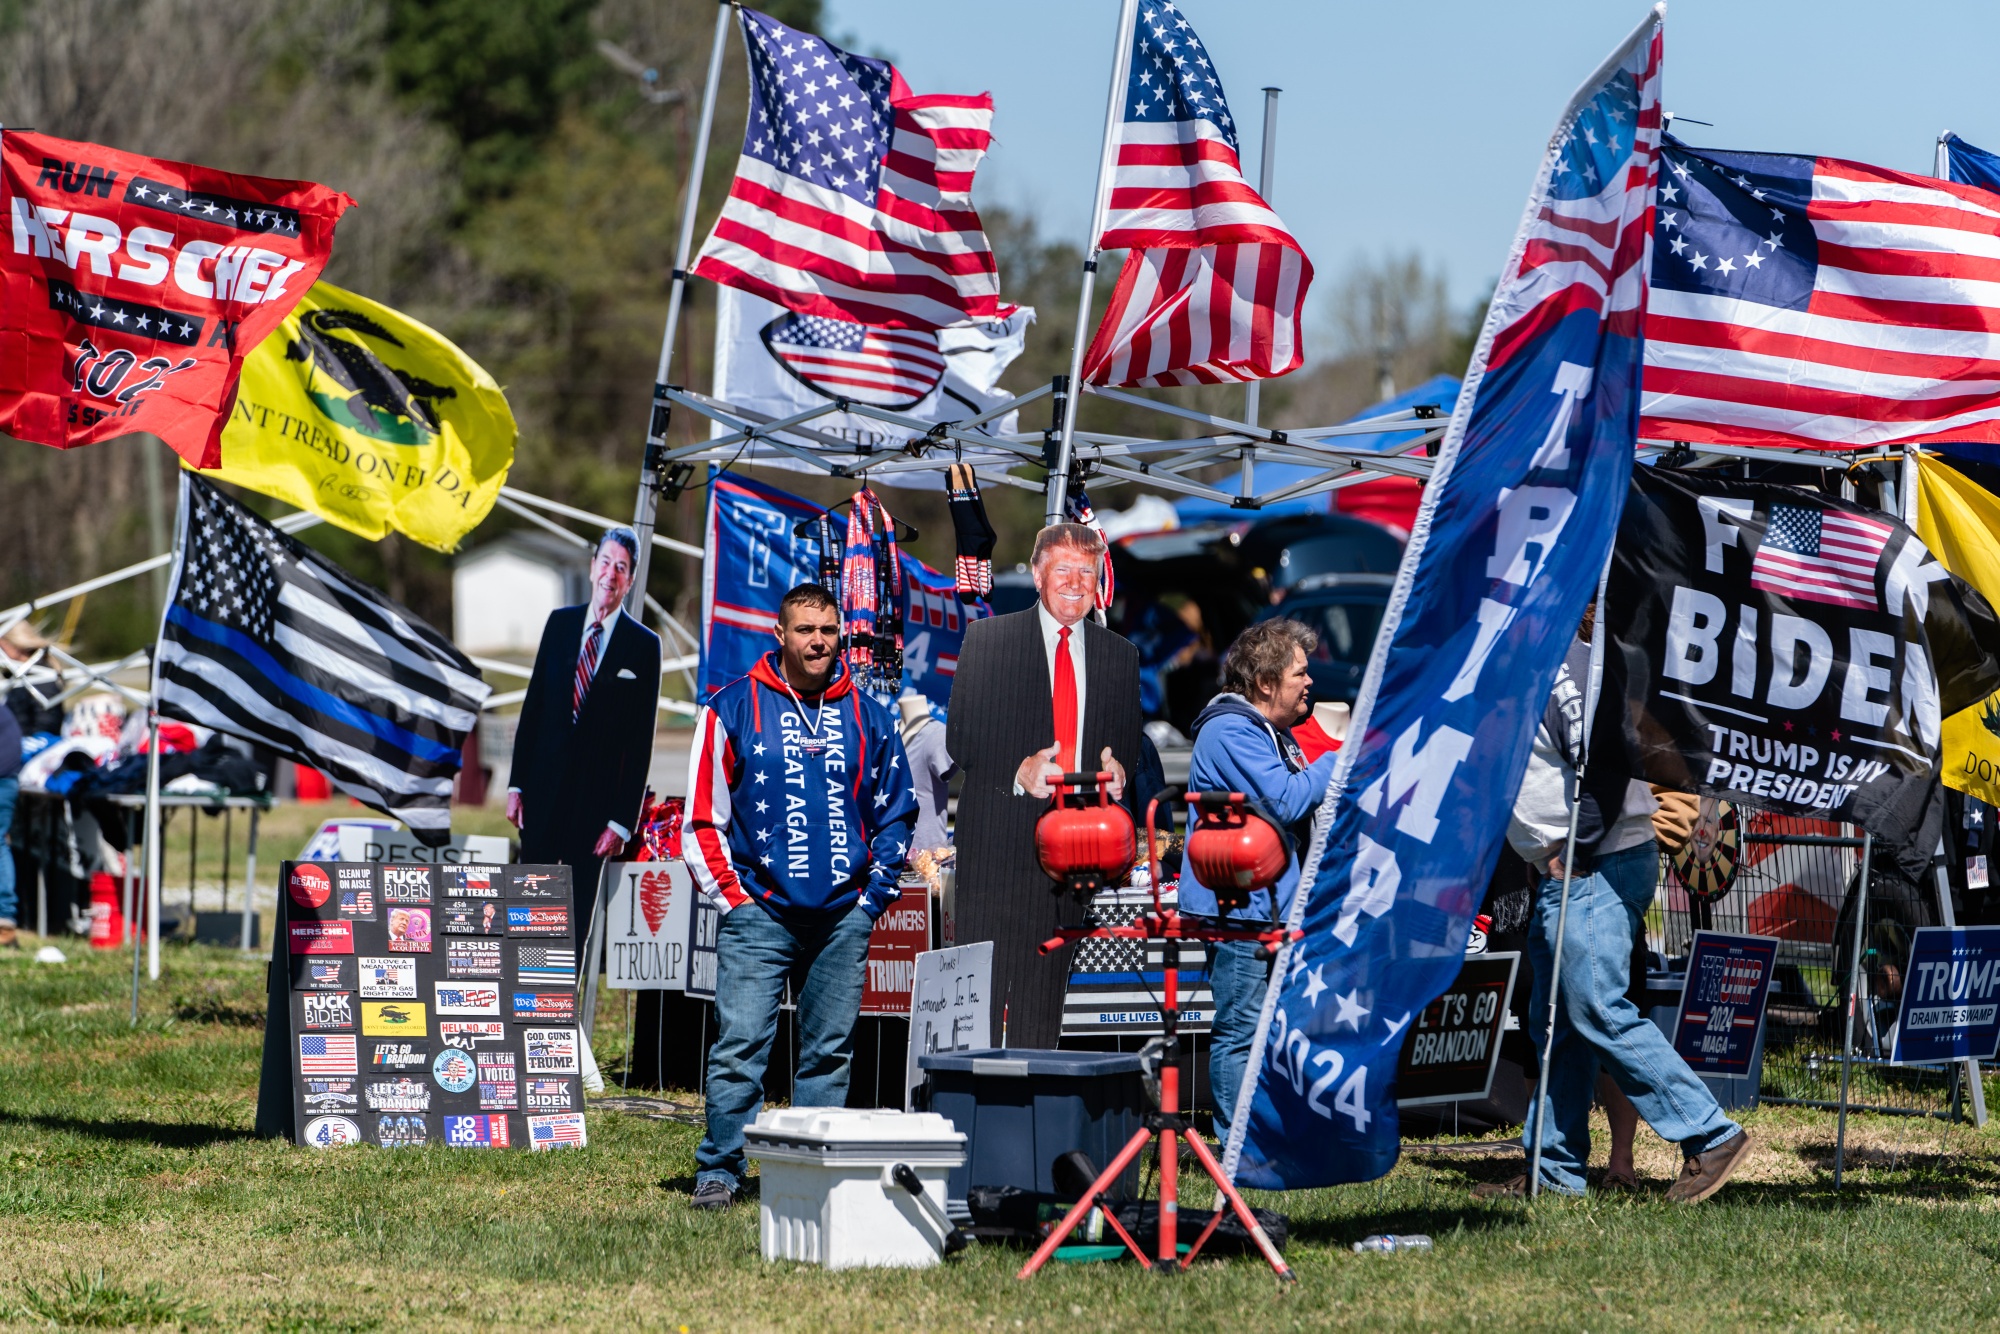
column 1065, row 703
column 586, row 667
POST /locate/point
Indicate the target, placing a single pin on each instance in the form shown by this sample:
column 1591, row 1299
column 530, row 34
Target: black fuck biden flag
column 1784, row 649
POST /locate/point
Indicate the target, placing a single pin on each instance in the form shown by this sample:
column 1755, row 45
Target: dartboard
column 1706, row 863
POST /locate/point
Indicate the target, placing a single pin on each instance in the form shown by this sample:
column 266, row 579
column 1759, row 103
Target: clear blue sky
column 1416, row 126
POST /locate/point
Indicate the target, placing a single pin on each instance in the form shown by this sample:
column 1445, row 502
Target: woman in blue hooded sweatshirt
column 1243, row 743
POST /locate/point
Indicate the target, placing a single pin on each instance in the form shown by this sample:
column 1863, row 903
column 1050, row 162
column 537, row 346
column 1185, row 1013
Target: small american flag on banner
column 322, row 1055
column 884, row 368
column 1821, row 556
column 1213, row 286
column 853, row 197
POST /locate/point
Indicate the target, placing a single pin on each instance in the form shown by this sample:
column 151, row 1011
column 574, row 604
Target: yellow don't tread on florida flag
column 371, row 420
column 1959, row 521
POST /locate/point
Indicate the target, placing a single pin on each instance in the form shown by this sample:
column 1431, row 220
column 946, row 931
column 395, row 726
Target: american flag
column 547, row 1132
column 1212, row 288
column 853, row 197
column 324, row 1055
column 884, row 368
column 1819, row 303
column 266, row 640
column 1820, row 555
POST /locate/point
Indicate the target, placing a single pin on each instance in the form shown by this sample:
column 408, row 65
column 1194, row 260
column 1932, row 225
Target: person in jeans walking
column 1243, row 743
column 10, row 791
column 1617, row 864
column 799, row 814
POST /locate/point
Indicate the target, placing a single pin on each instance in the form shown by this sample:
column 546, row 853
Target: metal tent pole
column 1267, row 171
column 1853, row 994
column 1590, row 692
column 645, row 507
column 250, row 886
column 154, row 869
column 1107, row 162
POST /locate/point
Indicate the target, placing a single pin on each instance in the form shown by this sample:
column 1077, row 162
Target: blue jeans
column 1239, row 980
column 826, row 957
column 1597, row 1024
column 10, row 907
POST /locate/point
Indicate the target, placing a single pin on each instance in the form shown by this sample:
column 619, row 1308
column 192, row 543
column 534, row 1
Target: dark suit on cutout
column 1002, row 712
column 578, row 774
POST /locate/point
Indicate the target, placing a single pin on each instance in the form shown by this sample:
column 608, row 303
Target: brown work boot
column 1703, row 1174
column 10, row 937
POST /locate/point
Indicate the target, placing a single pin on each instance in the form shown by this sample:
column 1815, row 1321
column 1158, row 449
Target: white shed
column 503, row 592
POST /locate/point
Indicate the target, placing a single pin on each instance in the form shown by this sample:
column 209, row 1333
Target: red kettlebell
column 1084, row 846
column 1232, row 850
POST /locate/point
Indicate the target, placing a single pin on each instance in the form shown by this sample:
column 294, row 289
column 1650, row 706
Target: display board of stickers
column 432, row 1005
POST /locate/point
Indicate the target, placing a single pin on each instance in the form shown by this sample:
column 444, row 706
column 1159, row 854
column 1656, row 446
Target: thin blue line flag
column 1515, row 529
column 265, row 639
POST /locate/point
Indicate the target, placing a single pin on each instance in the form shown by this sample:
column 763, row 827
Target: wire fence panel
column 1760, row 873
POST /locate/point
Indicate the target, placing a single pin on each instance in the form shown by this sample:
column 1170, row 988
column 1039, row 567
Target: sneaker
column 1703, row 1174
column 713, row 1195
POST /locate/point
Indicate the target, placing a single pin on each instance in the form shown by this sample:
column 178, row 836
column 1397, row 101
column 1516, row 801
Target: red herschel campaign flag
column 132, row 288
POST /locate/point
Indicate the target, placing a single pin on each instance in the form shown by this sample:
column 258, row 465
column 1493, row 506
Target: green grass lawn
column 132, row 1194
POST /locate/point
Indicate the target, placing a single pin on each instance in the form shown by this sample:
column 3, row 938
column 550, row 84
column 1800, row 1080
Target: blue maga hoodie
column 1236, row 749
column 802, row 806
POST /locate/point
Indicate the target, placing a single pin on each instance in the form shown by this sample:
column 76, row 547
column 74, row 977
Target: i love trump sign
column 646, row 926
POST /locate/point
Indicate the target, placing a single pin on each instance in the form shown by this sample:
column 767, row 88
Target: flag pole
column 1253, row 392
column 645, row 507
column 1591, row 690
column 1107, row 161
column 1975, row 1085
column 153, row 850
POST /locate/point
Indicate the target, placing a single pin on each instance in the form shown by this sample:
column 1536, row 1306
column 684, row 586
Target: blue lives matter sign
column 1722, row 1008
column 1951, row 995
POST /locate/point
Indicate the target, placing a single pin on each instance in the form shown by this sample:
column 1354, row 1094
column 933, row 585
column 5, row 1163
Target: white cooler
column 827, row 1196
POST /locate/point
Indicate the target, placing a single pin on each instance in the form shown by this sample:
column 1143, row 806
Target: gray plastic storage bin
column 1020, row 1109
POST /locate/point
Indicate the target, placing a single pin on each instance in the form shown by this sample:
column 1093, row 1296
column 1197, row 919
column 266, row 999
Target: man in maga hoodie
column 799, row 816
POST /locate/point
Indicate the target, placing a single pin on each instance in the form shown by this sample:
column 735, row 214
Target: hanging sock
column 974, row 531
column 1077, row 505
column 889, row 601
column 858, row 591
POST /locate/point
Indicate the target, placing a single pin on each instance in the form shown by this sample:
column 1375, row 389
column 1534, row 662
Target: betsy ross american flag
column 1819, row 303
column 1821, row 556
column 884, row 368
column 853, row 197
column 1213, row 286
column 320, row 1055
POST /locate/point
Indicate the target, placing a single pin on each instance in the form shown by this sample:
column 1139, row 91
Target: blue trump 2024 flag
column 756, row 554
column 1515, row 529
column 1971, row 166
